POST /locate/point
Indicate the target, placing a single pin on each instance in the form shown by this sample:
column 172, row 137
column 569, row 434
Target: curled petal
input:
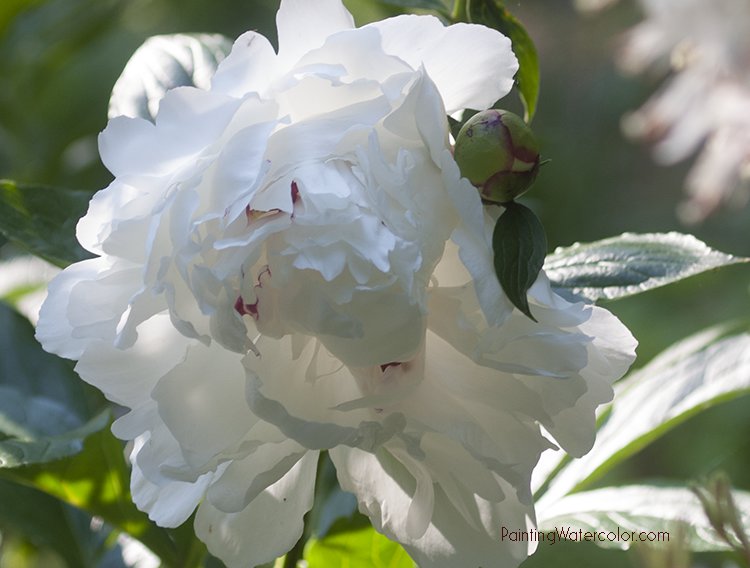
column 472, row 66
column 170, row 503
column 265, row 529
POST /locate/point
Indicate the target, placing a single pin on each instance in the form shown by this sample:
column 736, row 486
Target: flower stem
column 297, row 551
column 459, row 11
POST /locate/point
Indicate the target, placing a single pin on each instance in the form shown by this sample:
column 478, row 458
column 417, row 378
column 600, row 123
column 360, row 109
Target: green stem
column 296, row 553
column 459, row 11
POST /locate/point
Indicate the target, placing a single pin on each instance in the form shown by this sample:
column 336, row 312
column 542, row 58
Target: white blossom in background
column 704, row 106
column 135, row 554
column 23, row 282
column 593, row 5
column 288, row 262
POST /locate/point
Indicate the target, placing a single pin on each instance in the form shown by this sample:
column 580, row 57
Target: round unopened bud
column 498, row 153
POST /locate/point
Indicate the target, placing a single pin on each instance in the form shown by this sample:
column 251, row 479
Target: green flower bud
column 498, row 153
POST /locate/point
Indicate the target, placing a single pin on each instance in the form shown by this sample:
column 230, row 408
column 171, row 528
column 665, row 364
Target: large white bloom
column 276, row 277
column 706, row 103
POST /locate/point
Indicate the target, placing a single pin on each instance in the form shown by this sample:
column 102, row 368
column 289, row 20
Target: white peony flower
column 289, row 262
column 706, row 103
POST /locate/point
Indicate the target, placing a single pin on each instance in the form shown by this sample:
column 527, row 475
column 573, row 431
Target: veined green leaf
column 42, row 220
column 40, row 418
column 492, row 13
column 689, row 377
column 630, row 264
column 639, row 514
column 162, row 63
column 39, row 430
column 519, row 245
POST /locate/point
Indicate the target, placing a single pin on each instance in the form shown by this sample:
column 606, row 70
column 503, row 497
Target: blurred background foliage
column 60, row 58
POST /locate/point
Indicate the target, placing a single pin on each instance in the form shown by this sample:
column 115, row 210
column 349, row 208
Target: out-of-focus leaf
column 39, row 430
column 492, row 13
column 42, row 220
column 9, row 9
column 630, row 264
column 519, row 245
column 356, row 545
column 689, row 377
column 162, row 63
column 639, row 514
column 46, row 521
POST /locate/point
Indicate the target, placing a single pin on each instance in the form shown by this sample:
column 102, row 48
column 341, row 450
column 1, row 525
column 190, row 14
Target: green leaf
column 96, row 480
column 519, row 245
column 162, row 63
column 637, row 509
column 39, row 429
column 355, row 546
column 691, row 376
column 44, row 413
column 32, row 372
column 42, row 220
column 46, row 521
column 630, row 264
column 492, row 13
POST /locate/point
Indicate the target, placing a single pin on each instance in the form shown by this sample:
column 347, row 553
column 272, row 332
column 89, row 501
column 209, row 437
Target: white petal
column 268, row 527
column 610, row 355
column 127, row 376
column 474, row 239
column 249, row 68
column 85, row 303
column 518, row 346
column 304, row 25
column 385, row 491
column 54, row 331
column 202, row 402
column 311, row 387
column 243, row 480
column 473, row 66
column 168, row 504
column 189, row 120
column 238, row 168
column 360, row 53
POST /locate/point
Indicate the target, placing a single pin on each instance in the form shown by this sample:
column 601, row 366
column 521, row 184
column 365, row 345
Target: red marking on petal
column 239, row 306
column 295, row 192
column 246, row 309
